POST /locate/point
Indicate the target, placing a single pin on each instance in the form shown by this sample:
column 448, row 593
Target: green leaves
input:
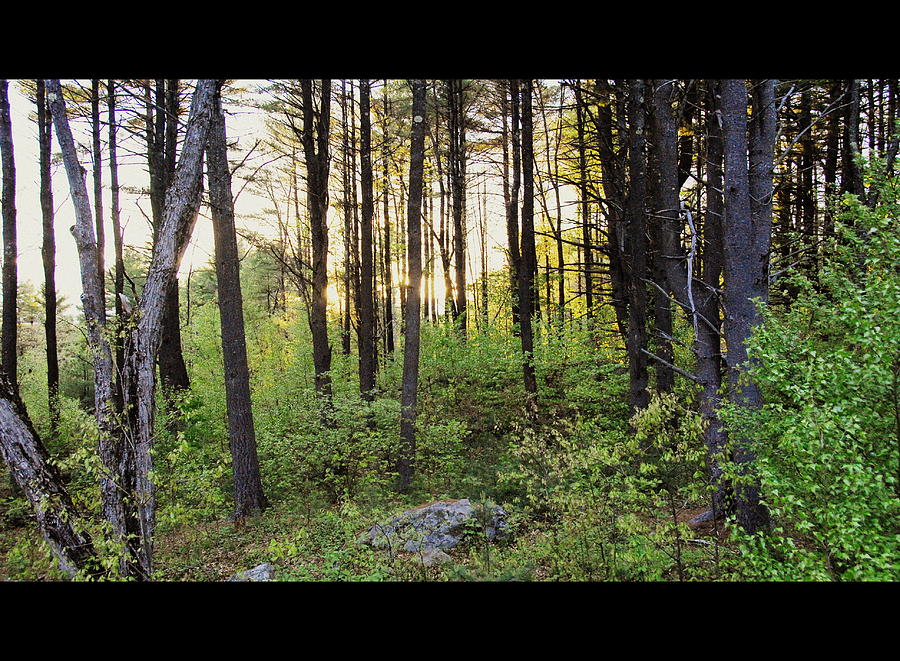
column 827, row 436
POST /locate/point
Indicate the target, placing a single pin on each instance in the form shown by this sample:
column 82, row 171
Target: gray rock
column 434, row 557
column 260, row 573
column 440, row 525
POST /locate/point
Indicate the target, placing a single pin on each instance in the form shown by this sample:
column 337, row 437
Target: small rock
column 434, row 557
column 260, row 573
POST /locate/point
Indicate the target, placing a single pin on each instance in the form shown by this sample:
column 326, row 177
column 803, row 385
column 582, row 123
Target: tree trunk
column 248, row 492
column 637, row 250
column 413, row 295
column 388, row 261
column 119, row 278
column 98, row 186
column 366, row 309
column 8, row 353
column 457, row 130
column 348, row 230
column 161, row 159
column 529, row 258
column 315, row 146
column 584, row 203
column 48, row 255
column 512, row 196
column 134, row 516
column 746, row 233
column 39, row 479
column 112, row 489
column 708, row 344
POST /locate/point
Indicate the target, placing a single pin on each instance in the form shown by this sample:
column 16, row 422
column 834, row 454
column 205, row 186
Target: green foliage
column 828, row 435
column 606, row 500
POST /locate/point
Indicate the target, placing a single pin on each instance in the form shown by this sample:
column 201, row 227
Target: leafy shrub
column 827, row 437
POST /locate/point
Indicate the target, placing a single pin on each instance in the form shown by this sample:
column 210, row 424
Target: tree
column 746, row 236
column 8, row 349
column 162, row 127
column 413, row 295
column 129, row 502
column 48, row 254
column 637, row 248
column 314, row 137
column 457, row 158
column 248, row 491
column 40, row 480
column 529, row 259
column 367, row 361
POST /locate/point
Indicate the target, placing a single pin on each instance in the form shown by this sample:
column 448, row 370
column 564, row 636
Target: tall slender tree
column 314, row 137
column 8, row 346
column 413, row 295
column 457, row 159
column 48, row 254
column 248, row 491
column 529, row 258
column 747, row 230
column 367, row 361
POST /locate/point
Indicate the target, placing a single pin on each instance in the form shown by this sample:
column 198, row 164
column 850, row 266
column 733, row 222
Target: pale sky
column 244, row 124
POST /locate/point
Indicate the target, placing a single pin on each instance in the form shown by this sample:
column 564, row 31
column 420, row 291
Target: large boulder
column 440, row 525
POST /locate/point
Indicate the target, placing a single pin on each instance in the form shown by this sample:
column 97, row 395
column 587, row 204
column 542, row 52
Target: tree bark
column 529, row 257
column 511, row 197
column 366, row 310
column 388, row 262
column 745, row 237
column 457, row 131
column 48, row 255
column 248, row 492
column 98, row 186
column 315, row 146
column 39, row 479
column 348, row 230
column 161, row 158
column 8, row 352
column 110, row 438
column 584, row 203
column 119, row 276
column 637, row 249
column 133, row 518
column 413, row 295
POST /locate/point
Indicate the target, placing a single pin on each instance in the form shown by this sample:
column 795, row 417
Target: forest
column 413, row 330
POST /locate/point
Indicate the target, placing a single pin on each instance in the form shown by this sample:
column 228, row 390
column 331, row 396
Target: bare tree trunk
column 746, row 236
column 413, row 295
column 708, row 344
column 348, row 230
column 388, row 262
column 110, row 438
column 48, row 255
column 161, row 157
column 637, row 249
column 851, row 177
column 457, row 131
column 529, row 258
column 37, row 476
column 135, row 517
column 584, row 203
column 119, row 278
column 315, row 146
column 98, row 185
column 512, row 197
column 366, row 310
column 8, row 353
column 248, row 492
